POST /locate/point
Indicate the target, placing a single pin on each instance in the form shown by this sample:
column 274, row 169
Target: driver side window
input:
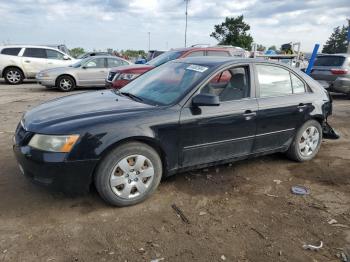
column 231, row 84
column 96, row 63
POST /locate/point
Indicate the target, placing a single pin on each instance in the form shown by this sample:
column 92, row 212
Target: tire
column 307, row 142
column 137, row 182
column 65, row 83
column 13, row 76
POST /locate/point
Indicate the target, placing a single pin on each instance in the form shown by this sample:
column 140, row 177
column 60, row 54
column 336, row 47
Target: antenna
column 186, row 22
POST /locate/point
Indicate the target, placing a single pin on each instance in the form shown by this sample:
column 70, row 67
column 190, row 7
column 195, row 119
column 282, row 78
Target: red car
column 120, row 76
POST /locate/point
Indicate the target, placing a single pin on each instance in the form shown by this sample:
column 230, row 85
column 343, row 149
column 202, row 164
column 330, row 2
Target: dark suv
column 333, row 72
column 119, row 77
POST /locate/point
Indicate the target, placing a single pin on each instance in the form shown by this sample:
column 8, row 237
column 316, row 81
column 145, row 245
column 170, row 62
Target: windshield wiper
column 132, row 96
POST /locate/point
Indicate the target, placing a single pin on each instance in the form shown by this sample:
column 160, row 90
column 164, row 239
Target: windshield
column 80, row 62
column 165, row 57
column 329, row 61
column 165, row 84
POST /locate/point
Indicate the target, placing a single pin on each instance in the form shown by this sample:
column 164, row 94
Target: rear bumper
column 52, row 170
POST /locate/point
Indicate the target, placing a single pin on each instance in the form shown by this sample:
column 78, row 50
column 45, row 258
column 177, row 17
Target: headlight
column 128, row 77
column 62, row 144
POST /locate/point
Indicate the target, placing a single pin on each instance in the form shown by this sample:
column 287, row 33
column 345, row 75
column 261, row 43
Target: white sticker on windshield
column 197, row 68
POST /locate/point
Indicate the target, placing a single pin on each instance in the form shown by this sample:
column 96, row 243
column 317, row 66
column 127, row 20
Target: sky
column 122, row 24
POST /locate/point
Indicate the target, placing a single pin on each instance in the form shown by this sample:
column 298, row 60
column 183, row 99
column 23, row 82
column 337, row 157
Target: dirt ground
column 244, row 211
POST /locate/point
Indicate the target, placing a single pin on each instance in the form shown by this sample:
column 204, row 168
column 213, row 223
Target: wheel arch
column 12, row 66
column 65, row 74
column 152, row 142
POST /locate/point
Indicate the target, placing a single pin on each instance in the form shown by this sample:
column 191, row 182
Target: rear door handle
column 301, row 105
column 249, row 114
column 27, row 61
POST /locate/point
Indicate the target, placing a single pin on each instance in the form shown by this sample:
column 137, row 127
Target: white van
column 20, row 62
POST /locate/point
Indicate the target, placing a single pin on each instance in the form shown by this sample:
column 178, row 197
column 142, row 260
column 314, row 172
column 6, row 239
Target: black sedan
column 185, row 114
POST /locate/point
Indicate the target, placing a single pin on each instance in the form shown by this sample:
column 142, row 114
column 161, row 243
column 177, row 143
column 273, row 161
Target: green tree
column 77, row 51
column 234, row 31
column 273, row 47
column 260, row 47
column 337, row 42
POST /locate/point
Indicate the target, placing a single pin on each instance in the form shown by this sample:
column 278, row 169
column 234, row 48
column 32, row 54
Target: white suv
column 20, row 62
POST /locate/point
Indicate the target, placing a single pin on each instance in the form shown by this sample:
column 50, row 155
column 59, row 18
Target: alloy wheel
column 13, row 76
column 309, row 141
column 132, row 176
column 66, row 84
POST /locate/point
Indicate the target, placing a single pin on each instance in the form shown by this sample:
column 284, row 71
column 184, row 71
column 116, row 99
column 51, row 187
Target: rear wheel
column 13, row 76
column 307, row 142
column 65, row 83
column 128, row 174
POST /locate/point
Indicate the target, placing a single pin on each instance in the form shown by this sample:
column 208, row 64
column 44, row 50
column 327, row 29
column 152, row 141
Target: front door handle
column 249, row 114
column 27, row 61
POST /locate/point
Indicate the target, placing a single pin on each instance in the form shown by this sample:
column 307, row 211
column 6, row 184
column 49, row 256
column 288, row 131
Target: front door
column 212, row 133
column 93, row 73
column 283, row 105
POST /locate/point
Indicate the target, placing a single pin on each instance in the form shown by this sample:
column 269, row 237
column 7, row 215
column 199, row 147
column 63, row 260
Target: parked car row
column 24, row 62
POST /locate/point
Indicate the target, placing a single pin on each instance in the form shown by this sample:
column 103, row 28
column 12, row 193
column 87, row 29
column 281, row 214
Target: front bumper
column 54, row 171
column 342, row 85
column 45, row 81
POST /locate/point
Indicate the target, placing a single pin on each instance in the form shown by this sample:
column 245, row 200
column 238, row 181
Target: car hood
column 74, row 109
column 57, row 70
column 132, row 68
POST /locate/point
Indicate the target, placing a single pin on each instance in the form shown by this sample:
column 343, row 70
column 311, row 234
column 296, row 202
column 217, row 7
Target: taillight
column 336, row 71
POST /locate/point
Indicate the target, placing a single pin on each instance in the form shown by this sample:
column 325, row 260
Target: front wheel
column 129, row 174
column 65, row 83
column 307, row 142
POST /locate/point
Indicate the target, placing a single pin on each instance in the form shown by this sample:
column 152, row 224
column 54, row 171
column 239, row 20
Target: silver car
column 333, row 72
column 89, row 72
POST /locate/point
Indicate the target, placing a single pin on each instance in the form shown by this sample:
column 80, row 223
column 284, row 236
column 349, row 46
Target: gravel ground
column 238, row 212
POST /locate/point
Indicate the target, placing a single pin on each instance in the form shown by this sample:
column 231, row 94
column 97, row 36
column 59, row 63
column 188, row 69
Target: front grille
column 22, row 136
column 111, row 76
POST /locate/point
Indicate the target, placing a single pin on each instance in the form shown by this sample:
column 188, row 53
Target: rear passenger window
column 35, row 52
column 11, row 51
column 196, row 53
column 298, row 85
column 217, row 53
column 273, row 81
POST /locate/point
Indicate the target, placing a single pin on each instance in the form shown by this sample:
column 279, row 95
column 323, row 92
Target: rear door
column 284, row 103
column 322, row 69
column 94, row 72
column 34, row 60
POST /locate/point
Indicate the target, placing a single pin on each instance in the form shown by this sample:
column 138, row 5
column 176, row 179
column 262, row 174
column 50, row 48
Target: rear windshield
column 329, row 61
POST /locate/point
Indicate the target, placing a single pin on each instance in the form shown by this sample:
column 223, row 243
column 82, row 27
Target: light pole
column 149, row 41
column 348, row 38
column 186, row 22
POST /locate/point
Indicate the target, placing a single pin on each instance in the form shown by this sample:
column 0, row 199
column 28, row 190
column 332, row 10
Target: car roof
column 213, row 61
column 31, row 46
column 183, row 49
column 338, row 54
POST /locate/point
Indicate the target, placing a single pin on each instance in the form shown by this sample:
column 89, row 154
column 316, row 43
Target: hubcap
column 13, row 76
column 132, row 176
column 66, row 84
column 309, row 141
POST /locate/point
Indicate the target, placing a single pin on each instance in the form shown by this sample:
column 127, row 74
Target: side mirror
column 205, row 100
column 65, row 57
